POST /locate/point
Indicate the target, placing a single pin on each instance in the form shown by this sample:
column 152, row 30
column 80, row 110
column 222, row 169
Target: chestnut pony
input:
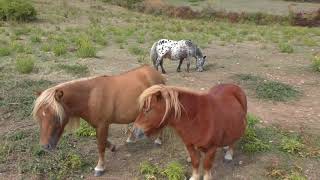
column 204, row 121
column 100, row 100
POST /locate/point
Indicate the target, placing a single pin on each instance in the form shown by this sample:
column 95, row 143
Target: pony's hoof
column 113, row 148
column 98, row 173
column 189, row 159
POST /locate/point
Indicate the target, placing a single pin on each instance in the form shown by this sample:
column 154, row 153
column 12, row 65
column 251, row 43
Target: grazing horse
column 100, row 101
column 204, row 121
column 176, row 50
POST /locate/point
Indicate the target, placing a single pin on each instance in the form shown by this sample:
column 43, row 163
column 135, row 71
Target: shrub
column 86, row 49
column 85, row 130
column 24, row 64
column 18, row 10
column 291, row 145
column 316, row 63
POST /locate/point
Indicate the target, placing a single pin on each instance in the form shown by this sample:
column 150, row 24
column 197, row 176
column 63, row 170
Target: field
column 277, row 65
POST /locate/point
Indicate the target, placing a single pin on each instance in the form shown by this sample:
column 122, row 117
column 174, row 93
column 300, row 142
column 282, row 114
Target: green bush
column 18, row 10
column 285, row 48
column 85, row 130
column 59, row 49
column 4, row 51
column 174, row 171
column 24, row 64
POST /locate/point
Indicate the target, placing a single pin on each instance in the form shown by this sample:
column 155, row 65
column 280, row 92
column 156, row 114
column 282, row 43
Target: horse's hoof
column 189, row 159
column 98, row 173
column 113, row 148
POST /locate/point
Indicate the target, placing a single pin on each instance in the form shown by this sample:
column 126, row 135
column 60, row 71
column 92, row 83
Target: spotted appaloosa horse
column 100, row 101
column 204, row 121
column 176, row 50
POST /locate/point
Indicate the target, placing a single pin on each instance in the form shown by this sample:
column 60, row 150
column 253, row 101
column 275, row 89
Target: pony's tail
column 154, row 54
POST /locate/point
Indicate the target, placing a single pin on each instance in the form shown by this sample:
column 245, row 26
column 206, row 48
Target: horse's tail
column 153, row 53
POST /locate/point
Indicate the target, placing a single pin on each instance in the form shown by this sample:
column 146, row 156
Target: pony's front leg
column 195, row 160
column 208, row 161
column 102, row 133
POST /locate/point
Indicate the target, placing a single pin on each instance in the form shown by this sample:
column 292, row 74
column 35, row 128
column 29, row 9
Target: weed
column 135, row 50
column 85, row 48
column 59, row 49
column 25, row 64
column 35, row 39
column 174, row 171
column 18, row 10
column 276, row 91
column 148, row 169
column 46, row 47
column 316, row 63
column 85, row 130
column 75, row 69
column 5, row 51
column 291, row 145
column 251, row 143
column 285, row 48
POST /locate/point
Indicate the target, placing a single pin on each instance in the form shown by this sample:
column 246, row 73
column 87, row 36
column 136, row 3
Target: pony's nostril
column 46, row 146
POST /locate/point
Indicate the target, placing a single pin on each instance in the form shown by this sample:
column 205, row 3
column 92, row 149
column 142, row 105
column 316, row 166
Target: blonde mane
column 47, row 98
column 170, row 95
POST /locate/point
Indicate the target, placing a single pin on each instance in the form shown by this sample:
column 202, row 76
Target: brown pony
column 204, row 121
column 100, row 100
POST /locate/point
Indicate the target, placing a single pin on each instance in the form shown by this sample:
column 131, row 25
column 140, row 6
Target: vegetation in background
column 173, row 171
column 24, row 64
column 75, row 69
column 316, row 63
column 18, row 10
column 85, row 130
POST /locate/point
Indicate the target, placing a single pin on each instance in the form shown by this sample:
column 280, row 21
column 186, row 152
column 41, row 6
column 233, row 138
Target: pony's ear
column 37, row 93
column 204, row 57
column 58, row 95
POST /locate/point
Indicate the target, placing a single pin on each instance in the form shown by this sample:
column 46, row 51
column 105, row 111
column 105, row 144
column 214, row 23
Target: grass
column 291, row 145
column 86, row 48
column 59, row 49
column 85, row 130
column 136, row 50
column 5, row 51
column 276, row 91
column 267, row 89
column 75, row 69
column 285, row 48
column 149, row 170
column 316, row 63
column 24, row 64
column 35, row 39
column 174, row 171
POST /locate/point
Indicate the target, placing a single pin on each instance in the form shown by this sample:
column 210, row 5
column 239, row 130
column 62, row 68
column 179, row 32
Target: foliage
column 18, row 10
column 85, row 130
column 85, row 48
column 25, row 64
column 316, row 63
column 174, row 171
column 291, row 145
column 76, row 69
column 285, row 48
column 5, row 51
column 59, row 49
column 276, row 91
column 148, row 169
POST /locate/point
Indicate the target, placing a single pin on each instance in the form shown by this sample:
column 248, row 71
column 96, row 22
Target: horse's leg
column 229, row 153
column 195, row 160
column 158, row 61
column 208, row 161
column 188, row 63
column 102, row 133
column 161, row 64
column 179, row 66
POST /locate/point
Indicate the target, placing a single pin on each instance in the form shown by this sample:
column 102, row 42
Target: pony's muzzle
column 138, row 133
column 47, row 147
column 199, row 69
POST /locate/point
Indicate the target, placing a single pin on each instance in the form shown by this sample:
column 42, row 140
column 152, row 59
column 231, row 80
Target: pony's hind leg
column 229, row 153
column 161, row 65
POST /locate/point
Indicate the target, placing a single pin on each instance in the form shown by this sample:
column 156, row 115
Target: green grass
column 5, row 51
column 136, row 50
column 148, row 170
column 35, row 39
column 316, row 63
column 269, row 90
column 291, row 145
column 75, row 69
column 276, row 91
column 174, row 171
column 286, row 48
column 85, row 130
column 46, row 47
column 24, row 64
column 86, row 49
column 59, row 49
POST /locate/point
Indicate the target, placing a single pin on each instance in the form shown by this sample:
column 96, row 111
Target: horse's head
column 157, row 104
column 200, row 59
column 149, row 118
column 200, row 63
column 49, row 113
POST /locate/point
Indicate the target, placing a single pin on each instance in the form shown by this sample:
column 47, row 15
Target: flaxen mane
column 169, row 93
column 47, row 98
